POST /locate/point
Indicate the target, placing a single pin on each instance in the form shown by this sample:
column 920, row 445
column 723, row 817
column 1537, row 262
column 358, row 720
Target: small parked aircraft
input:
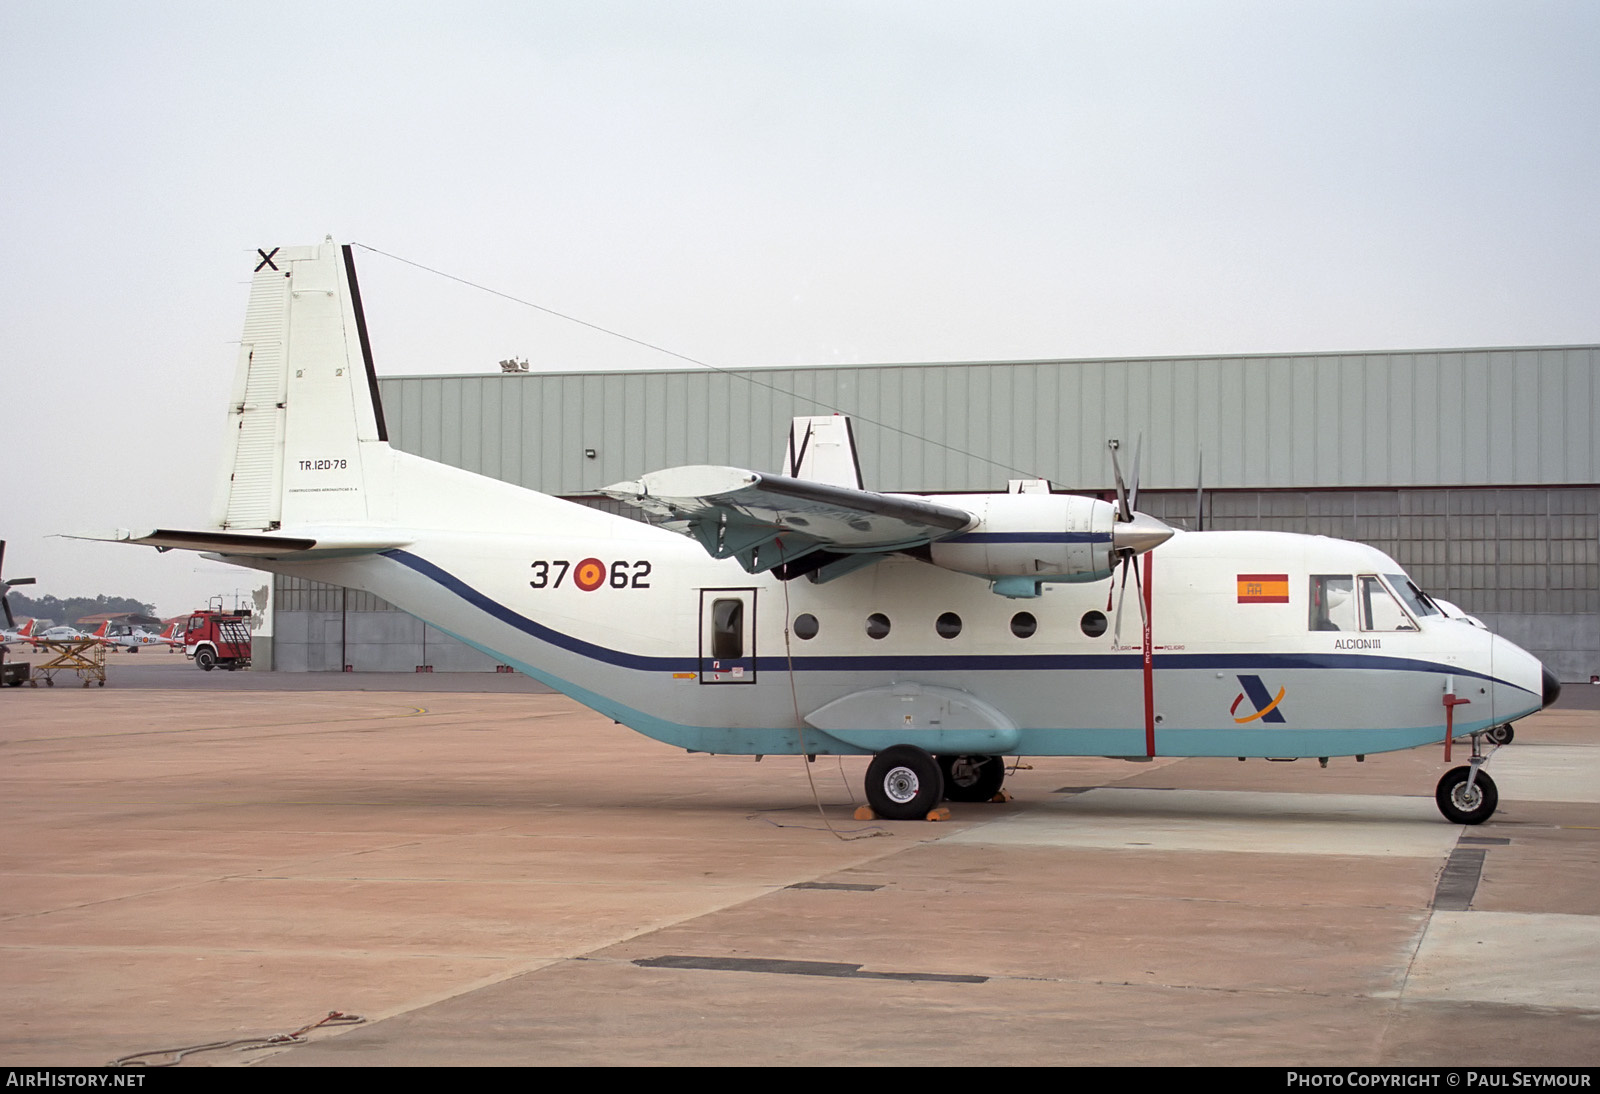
column 134, row 639
column 66, row 634
column 800, row 613
column 23, row 633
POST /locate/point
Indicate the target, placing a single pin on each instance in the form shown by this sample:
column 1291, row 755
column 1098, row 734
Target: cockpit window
column 1333, row 605
column 1413, row 597
column 1379, row 610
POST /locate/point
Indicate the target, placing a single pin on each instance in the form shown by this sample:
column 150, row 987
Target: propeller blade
column 1199, row 492
column 4, row 584
column 5, row 601
column 1133, row 490
column 1116, row 630
column 1124, row 510
column 1138, row 592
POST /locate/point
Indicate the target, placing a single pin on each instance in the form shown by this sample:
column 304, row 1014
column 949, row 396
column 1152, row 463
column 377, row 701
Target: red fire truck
column 215, row 637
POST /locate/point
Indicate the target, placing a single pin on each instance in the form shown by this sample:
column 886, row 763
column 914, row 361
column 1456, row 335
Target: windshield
column 1414, row 598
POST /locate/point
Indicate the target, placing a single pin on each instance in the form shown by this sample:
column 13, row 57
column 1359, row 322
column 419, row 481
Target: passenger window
column 877, row 625
column 727, row 629
column 948, row 625
column 1333, row 605
column 805, row 626
column 1379, row 610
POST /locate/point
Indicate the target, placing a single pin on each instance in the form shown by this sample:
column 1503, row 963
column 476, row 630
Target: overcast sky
column 752, row 183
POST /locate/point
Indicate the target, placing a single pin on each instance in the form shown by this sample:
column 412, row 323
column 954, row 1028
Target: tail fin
column 308, row 470
column 305, row 396
column 823, row 449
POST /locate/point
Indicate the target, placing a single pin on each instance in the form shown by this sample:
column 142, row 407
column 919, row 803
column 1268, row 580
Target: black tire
column 206, row 659
column 972, row 778
column 1461, row 806
column 904, row 783
column 1501, row 735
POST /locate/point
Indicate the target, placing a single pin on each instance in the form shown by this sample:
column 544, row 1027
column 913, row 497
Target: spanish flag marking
column 1263, row 588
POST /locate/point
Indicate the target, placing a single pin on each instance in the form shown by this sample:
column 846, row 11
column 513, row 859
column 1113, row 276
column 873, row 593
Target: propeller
column 5, row 586
column 1133, row 534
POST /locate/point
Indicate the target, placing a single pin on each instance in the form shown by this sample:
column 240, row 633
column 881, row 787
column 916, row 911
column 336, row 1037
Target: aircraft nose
column 1552, row 688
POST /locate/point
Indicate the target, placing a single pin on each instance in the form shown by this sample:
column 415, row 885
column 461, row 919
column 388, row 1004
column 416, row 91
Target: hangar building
column 1477, row 469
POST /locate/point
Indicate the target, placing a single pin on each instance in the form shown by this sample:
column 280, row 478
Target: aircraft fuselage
column 627, row 625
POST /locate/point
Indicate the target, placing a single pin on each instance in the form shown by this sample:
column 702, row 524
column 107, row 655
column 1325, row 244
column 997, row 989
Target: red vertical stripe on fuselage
column 1149, row 666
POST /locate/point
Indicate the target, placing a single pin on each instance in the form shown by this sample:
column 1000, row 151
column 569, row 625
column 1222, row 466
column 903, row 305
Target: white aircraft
column 130, row 640
column 23, row 633
column 803, row 614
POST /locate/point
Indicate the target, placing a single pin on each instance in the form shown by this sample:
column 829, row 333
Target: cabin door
column 727, row 636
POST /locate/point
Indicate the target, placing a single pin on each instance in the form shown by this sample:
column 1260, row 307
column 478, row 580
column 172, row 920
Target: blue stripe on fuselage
column 947, row 662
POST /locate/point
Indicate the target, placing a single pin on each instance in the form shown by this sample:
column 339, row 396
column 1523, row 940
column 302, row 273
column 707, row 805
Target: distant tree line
column 74, row 608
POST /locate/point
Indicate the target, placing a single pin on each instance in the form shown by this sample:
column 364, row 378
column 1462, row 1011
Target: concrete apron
column 508, row 879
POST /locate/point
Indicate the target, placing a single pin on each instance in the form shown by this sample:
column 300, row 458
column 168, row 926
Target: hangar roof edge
column 1300, row 355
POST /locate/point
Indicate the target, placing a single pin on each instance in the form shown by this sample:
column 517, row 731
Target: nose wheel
column 1467, row 795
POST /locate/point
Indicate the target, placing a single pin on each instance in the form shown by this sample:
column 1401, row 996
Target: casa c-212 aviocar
column 800, row 613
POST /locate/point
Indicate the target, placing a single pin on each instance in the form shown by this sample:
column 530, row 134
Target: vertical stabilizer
column 305, row 396
column 823, row 449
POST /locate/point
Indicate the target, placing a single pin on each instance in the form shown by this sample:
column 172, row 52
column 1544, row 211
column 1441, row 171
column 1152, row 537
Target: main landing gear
column 906, row 782
column 1500, row 735
column 972, row 778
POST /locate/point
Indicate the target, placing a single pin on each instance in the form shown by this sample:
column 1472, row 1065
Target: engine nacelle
column 1023, row 539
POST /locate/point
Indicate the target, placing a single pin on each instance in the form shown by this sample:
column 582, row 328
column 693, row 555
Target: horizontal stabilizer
column 248, row 545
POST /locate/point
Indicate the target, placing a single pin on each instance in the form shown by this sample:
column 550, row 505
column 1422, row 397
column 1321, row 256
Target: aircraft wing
column 249, row 544
column 766, row 521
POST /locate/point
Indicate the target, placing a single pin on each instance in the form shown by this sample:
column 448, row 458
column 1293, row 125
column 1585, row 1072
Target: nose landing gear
column 1467, row 795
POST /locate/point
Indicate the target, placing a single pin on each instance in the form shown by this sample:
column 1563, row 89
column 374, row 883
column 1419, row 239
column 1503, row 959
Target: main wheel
column 1463, row 805
column 903, row 783
column 205, row 658
column 972, row 778
column 1501, row 735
